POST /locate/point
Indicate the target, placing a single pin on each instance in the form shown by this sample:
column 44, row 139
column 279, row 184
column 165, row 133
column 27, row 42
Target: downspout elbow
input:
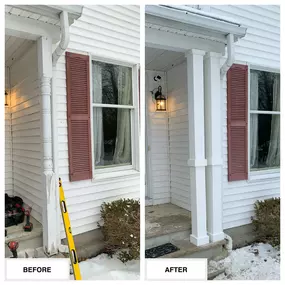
column 229, row 244
column 64, row 40
column 231, row 55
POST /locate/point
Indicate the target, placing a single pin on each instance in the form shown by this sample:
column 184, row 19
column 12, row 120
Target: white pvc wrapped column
column 197, row 161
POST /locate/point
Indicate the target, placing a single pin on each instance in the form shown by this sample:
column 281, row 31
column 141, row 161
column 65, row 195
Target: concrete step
column 212, row 251
column 166, row 238
column 165, row 223
column 26, row 240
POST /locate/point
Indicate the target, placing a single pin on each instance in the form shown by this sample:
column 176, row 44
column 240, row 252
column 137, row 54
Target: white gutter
column 64, row 39
column 184, row 8
column 231, row 55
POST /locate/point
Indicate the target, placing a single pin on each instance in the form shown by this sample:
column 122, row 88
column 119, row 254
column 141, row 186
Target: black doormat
column 160, row 250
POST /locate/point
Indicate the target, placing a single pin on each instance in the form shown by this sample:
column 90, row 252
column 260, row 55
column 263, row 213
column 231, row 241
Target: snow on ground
column 103, row 267
column 255, row 262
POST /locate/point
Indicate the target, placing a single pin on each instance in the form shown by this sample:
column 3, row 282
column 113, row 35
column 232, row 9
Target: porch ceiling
column 15, row 48
column 162, row 60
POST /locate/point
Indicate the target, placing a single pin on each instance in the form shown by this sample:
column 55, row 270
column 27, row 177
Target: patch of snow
column 103, row 267
column 255, row 262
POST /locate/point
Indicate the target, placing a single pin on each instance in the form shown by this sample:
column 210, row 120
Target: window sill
column 113, row 174
column 263, row 175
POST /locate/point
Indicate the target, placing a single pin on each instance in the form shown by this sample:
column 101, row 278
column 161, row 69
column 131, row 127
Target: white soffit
column 192, row 22
column 162, row 60
column 15, row 48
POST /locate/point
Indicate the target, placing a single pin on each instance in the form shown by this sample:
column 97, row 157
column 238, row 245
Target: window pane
column 112, row 136
column 264, row 91
column 264, row 141
column 112, row 84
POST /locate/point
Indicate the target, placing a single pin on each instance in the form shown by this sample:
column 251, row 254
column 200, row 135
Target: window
column 112, row 104
column 264, row 120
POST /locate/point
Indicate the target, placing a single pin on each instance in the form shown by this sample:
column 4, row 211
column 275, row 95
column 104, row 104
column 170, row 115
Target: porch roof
column 183, row 20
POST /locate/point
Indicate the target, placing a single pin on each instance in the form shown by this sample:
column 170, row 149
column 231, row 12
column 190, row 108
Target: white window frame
column 112, row 170
column 261, row 174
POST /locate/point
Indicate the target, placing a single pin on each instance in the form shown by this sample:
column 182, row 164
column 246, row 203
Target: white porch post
column 49, row 217
column 197, row 161
column 213, row 127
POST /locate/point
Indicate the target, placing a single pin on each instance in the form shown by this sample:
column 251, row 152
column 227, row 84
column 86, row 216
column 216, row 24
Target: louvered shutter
column 78, row 116
column 237, row 122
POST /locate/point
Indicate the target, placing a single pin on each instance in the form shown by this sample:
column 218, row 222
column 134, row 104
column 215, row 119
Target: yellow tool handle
column 67, row 227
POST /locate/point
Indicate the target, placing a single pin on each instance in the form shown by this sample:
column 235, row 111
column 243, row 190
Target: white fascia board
column 196, row 19
column 30, row 28
column 179, row 43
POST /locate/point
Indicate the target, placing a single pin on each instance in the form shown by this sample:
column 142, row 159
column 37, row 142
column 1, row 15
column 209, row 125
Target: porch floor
column 165, row 219
column 31, row 239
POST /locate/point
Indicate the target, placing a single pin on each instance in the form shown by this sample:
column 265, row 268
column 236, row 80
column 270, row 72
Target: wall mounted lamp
column 160, row 99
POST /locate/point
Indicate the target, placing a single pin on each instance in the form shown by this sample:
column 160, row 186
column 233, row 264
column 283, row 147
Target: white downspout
column 60, row 49
column 226, row 66
column 64, row 40
column 231, row 55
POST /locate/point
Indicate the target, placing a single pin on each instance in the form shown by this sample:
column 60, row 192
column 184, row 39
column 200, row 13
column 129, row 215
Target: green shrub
column 121, row 228
column 266, row 223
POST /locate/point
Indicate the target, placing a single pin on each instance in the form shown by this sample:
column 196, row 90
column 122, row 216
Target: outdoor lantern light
column 160, row 100
column 6, row 98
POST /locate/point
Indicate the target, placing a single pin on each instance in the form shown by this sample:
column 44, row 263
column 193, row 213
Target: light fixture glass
column 160, row 100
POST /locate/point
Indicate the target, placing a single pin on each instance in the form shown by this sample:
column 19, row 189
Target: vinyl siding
column 239, row 196
column 260, row 47
column 111, row 33
column 158, row 167
column 8, row 153
column 26, row 132
column 178, row 136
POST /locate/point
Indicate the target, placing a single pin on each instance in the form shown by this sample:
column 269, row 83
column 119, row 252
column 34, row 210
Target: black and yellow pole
column 67, row 227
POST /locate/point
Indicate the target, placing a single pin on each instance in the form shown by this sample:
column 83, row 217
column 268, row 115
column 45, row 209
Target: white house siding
column 260, row 47
column 8, row 153
column 107, row 32
column 26, row 132
column 178, row 136
column 158, row 167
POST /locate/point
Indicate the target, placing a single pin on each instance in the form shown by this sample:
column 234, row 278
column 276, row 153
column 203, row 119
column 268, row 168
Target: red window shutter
column 237, row 122
column 78, row 116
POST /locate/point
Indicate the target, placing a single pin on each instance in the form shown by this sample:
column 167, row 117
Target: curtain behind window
column 123, row 142
column 97, row 115
column 253, row 119
column 273, row 157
